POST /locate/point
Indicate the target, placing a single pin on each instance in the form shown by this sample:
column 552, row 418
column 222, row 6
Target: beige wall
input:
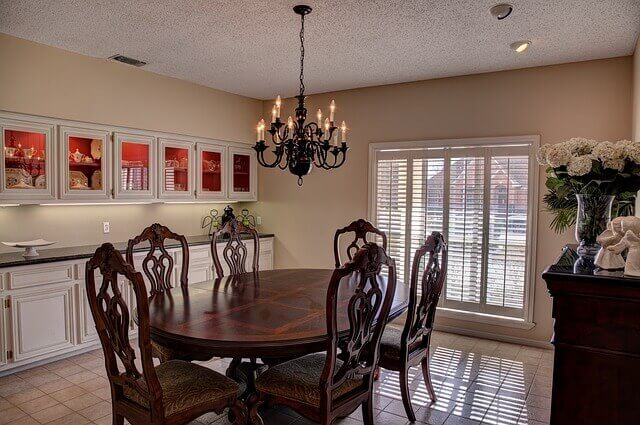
column 42, row 80
column 591, row 99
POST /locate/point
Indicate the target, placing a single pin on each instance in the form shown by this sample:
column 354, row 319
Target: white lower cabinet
column 45, row 314
column 42, row 322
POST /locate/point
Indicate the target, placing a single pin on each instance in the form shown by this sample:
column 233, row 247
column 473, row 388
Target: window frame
column 411, row 150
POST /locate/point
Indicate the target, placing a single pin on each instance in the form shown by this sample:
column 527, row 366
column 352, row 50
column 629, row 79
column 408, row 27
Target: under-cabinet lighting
column 9, row 205
column 94, row 203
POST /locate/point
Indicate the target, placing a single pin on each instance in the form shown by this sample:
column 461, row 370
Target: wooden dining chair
column 360, row 228
column 175, row 392
column 235, row 252
column 157, row 266
column 402, row 349
column 323, row 387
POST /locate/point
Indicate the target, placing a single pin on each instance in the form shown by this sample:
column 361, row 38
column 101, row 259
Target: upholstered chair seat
column 299, row 380
column 187, row 386
column 390, row 345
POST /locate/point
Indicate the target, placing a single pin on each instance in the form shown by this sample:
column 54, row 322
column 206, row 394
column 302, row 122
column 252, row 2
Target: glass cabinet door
column 134, row 166
column 211, row 166
column 176, row 175
column 243, row 181
column 84, row 163
column 26, row 161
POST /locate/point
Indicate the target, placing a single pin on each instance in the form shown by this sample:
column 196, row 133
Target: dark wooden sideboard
column 596, row 376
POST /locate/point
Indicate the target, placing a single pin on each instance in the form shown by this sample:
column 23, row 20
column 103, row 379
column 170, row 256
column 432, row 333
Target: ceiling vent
column 127, row 60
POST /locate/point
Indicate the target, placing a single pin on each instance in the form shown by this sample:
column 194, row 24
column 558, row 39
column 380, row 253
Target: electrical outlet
column 106, row 227
column 258, row 220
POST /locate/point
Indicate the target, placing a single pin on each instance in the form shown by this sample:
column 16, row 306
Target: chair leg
column 117, row 419
column 231, row 370
column 427, row 377
column 404, row 390
column 367, row 410
column 238, row 413
column 254, row 416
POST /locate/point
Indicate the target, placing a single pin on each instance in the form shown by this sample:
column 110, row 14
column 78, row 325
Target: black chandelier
column 300, row 146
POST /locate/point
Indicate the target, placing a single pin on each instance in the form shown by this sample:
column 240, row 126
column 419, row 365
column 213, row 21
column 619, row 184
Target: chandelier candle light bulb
column 319, row 116
column 332, row 110
column 343, row 130
column 278, row 104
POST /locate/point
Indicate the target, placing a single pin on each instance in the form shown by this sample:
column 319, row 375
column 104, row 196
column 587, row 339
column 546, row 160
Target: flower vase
column 594, row 214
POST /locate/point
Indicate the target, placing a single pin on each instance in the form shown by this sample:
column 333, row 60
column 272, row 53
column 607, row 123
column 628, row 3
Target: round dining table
column 266, row 314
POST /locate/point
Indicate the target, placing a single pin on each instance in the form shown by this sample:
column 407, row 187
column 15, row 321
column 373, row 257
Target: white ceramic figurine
column 606, row 259
column 632, row 241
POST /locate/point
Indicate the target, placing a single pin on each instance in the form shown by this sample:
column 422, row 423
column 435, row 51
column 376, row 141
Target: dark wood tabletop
column 274, row 313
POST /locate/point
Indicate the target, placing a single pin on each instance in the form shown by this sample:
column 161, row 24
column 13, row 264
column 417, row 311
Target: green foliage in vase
column 583, row 166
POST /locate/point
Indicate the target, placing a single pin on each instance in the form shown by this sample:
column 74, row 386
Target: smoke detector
column 127, row 60
column 501, row 11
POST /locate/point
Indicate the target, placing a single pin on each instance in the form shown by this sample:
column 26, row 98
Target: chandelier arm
column 276, row 161
column 319, row 159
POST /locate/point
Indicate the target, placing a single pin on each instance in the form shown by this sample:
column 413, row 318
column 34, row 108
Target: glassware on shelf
column 176, row 171
column 241, row 173
column 211, row 178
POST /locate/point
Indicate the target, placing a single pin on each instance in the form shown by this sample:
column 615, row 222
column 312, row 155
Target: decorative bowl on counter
column 30, row 246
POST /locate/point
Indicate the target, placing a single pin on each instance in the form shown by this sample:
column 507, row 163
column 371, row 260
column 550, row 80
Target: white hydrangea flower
column 558, row 155
column 611, row 155
column 631, row 150
column 579, row 165
column 580, row 145
column 541, row 155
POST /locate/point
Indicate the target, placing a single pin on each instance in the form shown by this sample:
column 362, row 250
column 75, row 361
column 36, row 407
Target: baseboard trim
column 496, row 337
column 11, row 368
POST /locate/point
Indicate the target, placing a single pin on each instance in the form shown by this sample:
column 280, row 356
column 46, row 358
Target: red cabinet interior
column 134, row 165
column 241, row 173
column 211, row 171
column 176, row 169
column 84, row 165
column 24, row 159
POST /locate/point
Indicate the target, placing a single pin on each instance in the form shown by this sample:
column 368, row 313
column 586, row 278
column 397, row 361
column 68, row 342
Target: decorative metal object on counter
column 215, row 221
column 300, row 146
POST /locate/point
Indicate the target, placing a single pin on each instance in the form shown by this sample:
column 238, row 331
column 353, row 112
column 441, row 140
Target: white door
column 85, row 167
column 27, row 165
column 42, row 322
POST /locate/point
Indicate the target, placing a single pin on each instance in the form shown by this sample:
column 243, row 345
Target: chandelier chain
column 302, row 56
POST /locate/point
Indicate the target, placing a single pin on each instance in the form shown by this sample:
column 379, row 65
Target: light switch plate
column 106, row 227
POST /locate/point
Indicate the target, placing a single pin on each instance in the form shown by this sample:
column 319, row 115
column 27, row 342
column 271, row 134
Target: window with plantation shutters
column 478, row 193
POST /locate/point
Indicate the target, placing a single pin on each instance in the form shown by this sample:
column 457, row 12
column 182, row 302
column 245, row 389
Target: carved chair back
column 422, row 309
column 112, row 319
column 158, row 264
column 235, row 250
column 367, row 310
column 360, row 228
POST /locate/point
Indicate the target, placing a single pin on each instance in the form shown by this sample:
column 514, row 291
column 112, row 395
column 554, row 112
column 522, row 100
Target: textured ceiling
column 251, row 47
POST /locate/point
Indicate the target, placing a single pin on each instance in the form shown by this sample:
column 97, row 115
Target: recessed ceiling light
column 501, row 10
column 520, row 46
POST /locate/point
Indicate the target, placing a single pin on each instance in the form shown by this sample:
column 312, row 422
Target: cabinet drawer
column 40, row 275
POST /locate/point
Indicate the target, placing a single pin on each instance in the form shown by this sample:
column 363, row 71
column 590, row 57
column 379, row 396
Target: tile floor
column 477, row 381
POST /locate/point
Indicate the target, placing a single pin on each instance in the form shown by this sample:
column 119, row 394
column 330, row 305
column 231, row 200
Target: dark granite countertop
column 570, row 264
column 12, row 259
